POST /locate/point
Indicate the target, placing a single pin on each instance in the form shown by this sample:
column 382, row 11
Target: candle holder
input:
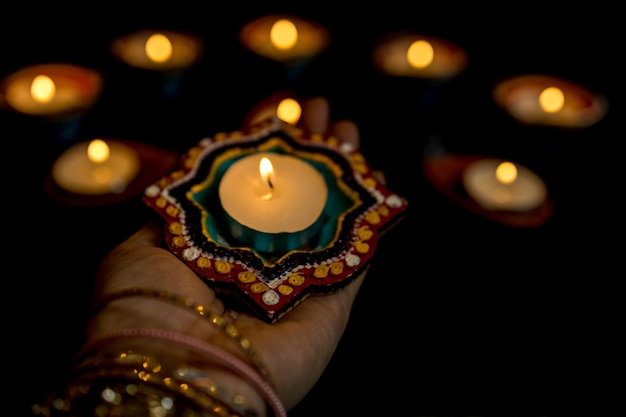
column 415, row 55
column 445, row 171
column 65, row 93
column 289, row 40
column 543, row 100
column 358, row 211
column 168, row 53
column 153, row 162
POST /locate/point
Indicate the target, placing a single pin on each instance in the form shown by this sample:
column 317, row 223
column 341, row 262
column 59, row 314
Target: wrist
column 187, row 352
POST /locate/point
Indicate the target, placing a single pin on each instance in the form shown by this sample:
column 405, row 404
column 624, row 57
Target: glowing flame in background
column 42, row 89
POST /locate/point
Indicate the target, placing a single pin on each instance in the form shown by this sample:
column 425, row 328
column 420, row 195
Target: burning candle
column 158, row 50
column 284, row 107
column 273, row 202
column 419, row 56
column 51, row 90
column 503, row 185
column 284, row 38
column 96, row 167
column 551, row 101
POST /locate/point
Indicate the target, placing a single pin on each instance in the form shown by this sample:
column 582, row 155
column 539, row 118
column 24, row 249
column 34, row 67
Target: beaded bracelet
column 190, row 304
column 197, row 345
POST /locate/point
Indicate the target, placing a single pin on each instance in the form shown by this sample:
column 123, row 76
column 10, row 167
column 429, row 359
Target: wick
column 269, row 182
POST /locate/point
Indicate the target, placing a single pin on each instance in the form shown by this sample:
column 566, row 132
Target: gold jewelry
column 190, row 304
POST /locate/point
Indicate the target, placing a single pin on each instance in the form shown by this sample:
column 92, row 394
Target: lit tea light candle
column 419, row 56
column 96, row 167
column 273, row 202
column 287, row 109
column 158, row 50
column 503, row 185
column 546, row 100
column 284, row 38
column 51, row 90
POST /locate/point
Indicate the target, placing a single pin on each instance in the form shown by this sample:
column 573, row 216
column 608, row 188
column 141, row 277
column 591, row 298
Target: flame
column 267, row 173
column 551, row 99
column 284, row 34
column 158, row 48
column 506, row 172
column 98, row 151
column 289, row 111
column 42, row 89
column 420, row 54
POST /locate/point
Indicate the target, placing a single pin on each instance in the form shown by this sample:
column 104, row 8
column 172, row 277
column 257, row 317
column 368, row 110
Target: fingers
column 315, row 118
column 315, row 115
column 150, row 234
column 347, row 132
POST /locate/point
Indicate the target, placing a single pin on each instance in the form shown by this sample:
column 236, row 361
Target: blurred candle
column 285, row 107
column 273, row 202
column 551, row 101
column 158, row 50
column 503, row 185
column 54, row 91
column 419, row 56
column 96, row 167
column 284, row 38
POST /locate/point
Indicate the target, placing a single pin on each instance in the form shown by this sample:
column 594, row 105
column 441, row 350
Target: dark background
column 459, row 314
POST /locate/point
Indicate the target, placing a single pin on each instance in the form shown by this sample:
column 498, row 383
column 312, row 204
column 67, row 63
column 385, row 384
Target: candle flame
column 267, row 172
column 420, row 54
column 506, row 172
column 551, row 99
column 283, row 34
column 98, row 151
column 158, row 47
column 289, row 111
column 42, row 89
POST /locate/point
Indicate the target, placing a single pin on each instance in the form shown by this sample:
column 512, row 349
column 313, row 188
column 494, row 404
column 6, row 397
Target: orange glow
column 289, row 111
column 42, row 89
column 506, row 172
column 420, row 54
column 284, row 34
column 159, row 48
column 551, row 99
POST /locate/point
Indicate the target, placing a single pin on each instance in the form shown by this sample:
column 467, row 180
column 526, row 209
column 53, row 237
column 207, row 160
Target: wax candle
column 284, row 38
column 96, row 167
column 419, row 56
column 51, row 90
column 545, row 100
column 503, row 185
column 158, row 50
column 273, row 202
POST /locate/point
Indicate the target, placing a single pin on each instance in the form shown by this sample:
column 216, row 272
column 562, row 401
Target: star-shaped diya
column 272, row 238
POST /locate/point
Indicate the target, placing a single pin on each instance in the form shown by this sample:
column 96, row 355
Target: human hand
column 295, row 350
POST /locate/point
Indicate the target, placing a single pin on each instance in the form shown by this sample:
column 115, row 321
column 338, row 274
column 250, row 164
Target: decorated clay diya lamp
column 274, row 214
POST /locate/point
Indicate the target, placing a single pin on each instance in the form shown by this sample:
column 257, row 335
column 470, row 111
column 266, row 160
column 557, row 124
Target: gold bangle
column 137, row 384
column 188, row 303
